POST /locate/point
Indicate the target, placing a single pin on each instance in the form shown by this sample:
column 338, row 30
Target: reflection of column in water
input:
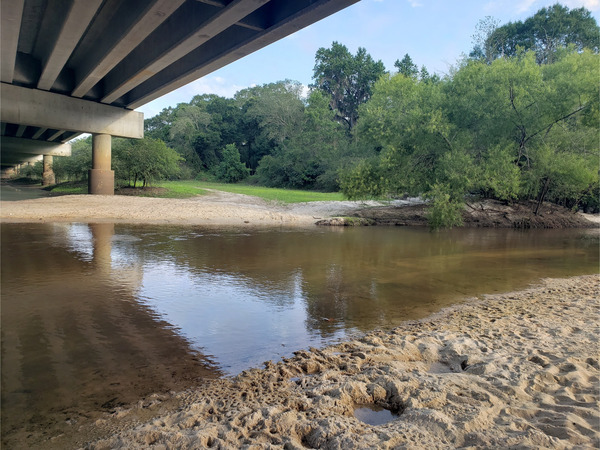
column 78, row 337
column 102, row 242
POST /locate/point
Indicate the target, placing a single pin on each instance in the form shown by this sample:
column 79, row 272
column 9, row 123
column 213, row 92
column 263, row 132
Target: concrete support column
column 101, row 179
column 48, row 174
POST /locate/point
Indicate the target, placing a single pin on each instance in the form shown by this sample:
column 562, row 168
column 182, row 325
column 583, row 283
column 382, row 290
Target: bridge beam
column 37, row 108
column 22, row 145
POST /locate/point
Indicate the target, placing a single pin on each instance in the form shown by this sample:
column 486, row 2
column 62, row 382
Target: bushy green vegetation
column 512, row 129
column 145, row 160
column 231, row 169
column 516, row 120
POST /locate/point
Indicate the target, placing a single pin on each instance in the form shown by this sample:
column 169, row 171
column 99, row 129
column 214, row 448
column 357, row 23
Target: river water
column 99, row 315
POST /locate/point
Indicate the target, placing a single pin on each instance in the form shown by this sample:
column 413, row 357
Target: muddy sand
column 516, row 370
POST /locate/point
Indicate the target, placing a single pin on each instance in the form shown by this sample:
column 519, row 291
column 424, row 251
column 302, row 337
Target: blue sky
column 433, row 32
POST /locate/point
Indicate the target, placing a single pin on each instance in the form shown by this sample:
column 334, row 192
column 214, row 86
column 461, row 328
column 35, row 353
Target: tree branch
column 560, row 119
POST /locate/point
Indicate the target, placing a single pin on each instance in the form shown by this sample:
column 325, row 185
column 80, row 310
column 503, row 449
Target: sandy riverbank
column 215, row 209
column 513, row 370
column 226, row 209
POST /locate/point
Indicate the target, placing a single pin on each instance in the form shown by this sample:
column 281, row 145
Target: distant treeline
column 516, row 119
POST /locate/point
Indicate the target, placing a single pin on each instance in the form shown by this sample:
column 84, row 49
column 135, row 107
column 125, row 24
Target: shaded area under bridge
column 82, row 66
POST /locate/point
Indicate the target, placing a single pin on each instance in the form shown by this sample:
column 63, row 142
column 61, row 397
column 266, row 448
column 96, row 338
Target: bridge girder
column 81, row 66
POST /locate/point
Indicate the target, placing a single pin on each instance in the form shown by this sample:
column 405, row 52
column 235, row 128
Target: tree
column 270, row 115
column 188, row 127
column 547, row 32
column 159, row 126
column 278, row 109
column 484, row 46
column 407, row 67
column 347, row 80
column 510, row 130
column 76, row 166
column 145, row 160
column 231, row 169
column 312, row 156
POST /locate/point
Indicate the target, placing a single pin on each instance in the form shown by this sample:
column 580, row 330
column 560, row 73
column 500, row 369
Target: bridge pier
column 101, row 179
column 48, row 174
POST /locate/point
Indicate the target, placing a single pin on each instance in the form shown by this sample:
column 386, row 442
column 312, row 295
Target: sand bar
column 516, row 370
column 215, row 209
column 220, row 209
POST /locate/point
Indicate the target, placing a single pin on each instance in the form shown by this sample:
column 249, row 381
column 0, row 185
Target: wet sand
column 513, row 370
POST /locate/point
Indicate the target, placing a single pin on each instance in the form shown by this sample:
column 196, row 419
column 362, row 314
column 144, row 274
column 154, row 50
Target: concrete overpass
column 82, row 66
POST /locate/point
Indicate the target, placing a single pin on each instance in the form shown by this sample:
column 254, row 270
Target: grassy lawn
column 191, row 187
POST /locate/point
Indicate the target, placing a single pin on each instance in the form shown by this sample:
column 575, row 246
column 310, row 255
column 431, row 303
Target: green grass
column 191, row 187
column 273, row 194
column 179, row 189
column 70, row 188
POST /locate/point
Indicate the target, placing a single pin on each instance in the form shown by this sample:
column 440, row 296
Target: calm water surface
column 98, row 315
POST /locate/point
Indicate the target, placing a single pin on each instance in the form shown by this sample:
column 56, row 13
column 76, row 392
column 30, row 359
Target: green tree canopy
column 547, row 32
column 310, row 158
column 347, row 79
column 509, row 130
column 231, row 169
column 407, row 67
column 145, row 160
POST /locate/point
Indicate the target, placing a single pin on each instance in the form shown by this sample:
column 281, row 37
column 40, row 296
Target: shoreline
column 222, row 209
column 215, row 209
column 514, row 369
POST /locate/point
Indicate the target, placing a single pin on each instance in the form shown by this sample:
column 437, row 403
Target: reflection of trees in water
column 74, row 336
column 365, row 278
column 344, row 277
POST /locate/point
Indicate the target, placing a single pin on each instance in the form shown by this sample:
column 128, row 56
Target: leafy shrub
column 231, row 169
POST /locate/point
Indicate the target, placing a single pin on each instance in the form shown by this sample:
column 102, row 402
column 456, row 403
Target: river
column 99, row 315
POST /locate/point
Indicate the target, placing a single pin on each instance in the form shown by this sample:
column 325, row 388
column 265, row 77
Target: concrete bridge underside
column 82, row 66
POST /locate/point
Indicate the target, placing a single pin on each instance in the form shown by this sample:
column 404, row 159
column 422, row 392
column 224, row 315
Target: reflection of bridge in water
column 78, row 342
column 83, row 66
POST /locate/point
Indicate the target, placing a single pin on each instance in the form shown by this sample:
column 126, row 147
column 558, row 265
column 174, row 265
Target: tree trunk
column 542, row 196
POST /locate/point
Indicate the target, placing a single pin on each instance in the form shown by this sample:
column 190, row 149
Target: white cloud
column 305, row 91
column 415, row 3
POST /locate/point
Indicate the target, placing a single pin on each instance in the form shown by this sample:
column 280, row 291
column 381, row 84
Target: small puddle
column 374, row 414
